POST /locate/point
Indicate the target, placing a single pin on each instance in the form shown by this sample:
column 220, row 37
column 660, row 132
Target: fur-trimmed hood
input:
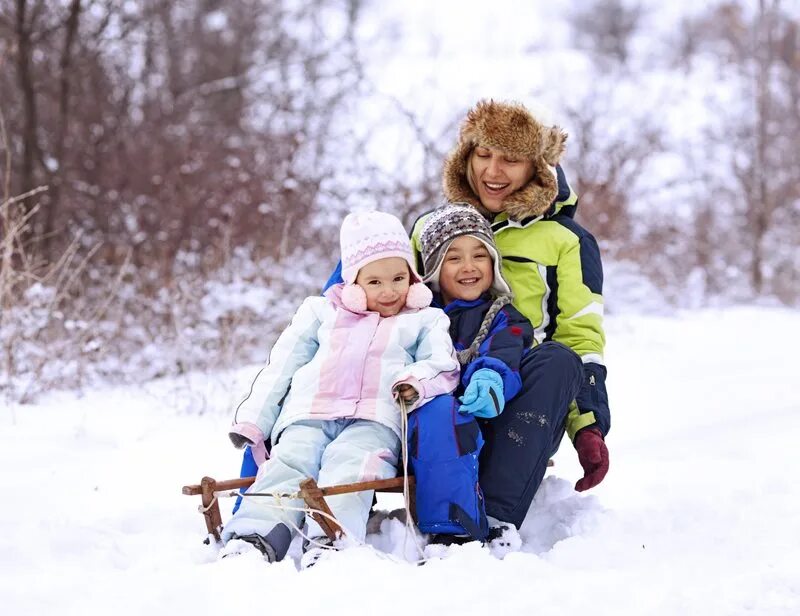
column 512, row 128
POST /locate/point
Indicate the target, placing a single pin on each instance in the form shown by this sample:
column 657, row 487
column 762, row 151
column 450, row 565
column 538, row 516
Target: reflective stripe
column 593, row 308
column 507, row 223
column 539, row 333
column 592, row 358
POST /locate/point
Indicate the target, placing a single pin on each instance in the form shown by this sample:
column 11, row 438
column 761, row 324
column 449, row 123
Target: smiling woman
column 505, row 166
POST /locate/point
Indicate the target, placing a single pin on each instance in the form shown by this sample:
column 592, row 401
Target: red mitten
column 593, row 456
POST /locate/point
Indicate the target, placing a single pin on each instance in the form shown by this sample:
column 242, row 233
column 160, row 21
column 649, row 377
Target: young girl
column 328, row 397
column 462, row 266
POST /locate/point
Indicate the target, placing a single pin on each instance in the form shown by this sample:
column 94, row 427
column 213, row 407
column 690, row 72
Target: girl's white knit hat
column 369, row 236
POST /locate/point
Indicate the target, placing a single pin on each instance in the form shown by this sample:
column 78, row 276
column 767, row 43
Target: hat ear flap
column 419, row 296
column 354, row 298
column 554, row 145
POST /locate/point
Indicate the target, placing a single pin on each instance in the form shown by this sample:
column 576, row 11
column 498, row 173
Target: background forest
column 174, row 172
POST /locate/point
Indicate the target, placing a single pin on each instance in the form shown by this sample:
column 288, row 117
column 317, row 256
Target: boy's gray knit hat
column 444, row 225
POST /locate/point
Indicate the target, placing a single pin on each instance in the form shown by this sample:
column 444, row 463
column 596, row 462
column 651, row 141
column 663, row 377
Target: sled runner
column 210, row 490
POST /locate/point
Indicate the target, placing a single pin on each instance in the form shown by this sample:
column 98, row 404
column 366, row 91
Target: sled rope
column 279, row 504
column 349, row 535
column 233, row 493
column 410, row 530
column 202, row 509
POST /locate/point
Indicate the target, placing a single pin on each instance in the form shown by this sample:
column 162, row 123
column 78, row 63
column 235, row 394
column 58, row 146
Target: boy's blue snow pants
column 443, row 447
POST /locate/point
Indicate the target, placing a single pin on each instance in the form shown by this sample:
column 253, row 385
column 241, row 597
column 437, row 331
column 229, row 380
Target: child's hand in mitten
column 407, row 393
column 484, row 395
column 239, row 441
column 245, row 434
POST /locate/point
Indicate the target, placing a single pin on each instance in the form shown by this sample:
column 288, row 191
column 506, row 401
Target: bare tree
column 175, row 135
column 762, row 51
column 605, row 165
column 23, row 20
column 604, row 29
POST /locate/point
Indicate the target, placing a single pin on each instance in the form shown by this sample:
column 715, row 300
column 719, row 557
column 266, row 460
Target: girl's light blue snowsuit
column 325, row 399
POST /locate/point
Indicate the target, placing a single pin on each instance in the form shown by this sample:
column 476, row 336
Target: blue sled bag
column 443, row 449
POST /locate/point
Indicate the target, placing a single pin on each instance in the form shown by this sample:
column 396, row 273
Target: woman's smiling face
column 496, row 175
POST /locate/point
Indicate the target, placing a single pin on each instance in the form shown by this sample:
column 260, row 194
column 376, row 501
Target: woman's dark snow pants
column 519, row 442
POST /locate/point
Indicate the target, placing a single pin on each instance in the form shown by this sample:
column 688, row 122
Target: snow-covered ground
column 700, row 513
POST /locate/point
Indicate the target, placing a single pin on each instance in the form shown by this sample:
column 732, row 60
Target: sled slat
column 381, row 485
column 225, row 484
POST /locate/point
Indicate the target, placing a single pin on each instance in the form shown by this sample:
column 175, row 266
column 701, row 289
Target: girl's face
column 467, row 270
column 386, row 283
column 496, row 175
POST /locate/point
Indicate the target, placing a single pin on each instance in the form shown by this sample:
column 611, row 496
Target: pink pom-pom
column 419, row 296
column 354, row 298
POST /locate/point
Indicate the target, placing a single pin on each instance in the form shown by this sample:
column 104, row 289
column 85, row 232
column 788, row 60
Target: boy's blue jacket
column 509, row 339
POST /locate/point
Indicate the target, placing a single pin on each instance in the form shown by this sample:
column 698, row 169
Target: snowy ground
column 700, row 513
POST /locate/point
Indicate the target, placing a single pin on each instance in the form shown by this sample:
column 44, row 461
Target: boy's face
column 386, row 283
column 467, row 270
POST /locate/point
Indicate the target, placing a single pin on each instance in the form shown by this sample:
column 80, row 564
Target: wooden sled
column 313, row 495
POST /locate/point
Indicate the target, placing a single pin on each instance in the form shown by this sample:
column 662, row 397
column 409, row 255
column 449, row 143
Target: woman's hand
column 593, row 456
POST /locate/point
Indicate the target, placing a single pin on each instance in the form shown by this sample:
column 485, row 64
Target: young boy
column 463, row 268
column 328, row 397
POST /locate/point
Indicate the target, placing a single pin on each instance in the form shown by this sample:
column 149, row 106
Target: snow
column 700, row 513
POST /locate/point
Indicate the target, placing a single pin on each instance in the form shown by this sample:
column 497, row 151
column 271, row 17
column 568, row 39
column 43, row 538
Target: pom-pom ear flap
column 354, row 298
column 419, row 296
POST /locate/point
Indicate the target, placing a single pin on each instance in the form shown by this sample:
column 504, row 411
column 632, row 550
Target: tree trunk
column 30, row 146
column 760, row 205
column 58, row 177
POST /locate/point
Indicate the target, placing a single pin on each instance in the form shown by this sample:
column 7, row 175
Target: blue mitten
column 484, row 395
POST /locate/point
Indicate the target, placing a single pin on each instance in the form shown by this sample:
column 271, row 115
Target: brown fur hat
column 512, row 128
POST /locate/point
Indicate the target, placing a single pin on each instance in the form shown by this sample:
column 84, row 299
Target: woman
column 506, row 165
